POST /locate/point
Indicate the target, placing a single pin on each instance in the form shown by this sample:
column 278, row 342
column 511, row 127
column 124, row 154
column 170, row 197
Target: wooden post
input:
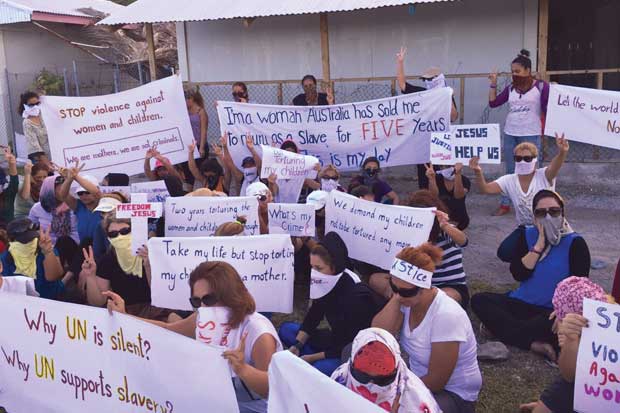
column 599, row 80
column 325, row 48
column 543, row 38
column 150, row 40
column 462, row 99
column 280, row 94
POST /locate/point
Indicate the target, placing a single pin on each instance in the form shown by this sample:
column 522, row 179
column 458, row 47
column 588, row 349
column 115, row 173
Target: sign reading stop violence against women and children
column 62, row 357
column 465, row 142
column 396, row 129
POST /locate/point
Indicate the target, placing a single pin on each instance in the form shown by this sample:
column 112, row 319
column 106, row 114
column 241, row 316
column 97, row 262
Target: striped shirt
column 450, row 271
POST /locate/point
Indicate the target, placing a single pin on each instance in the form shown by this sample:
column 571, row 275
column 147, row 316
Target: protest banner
column 584, row 115
column 297, row 220
column 597, row 379
column 112, row 133
column 156, row 190
column 264, row 262
column 62, row 357
column 373, row 232
column 396, row 129
column 200, row 216
column 465, row 142
column 139, row 212
column 125, row 190
column 287, row 165
column 297, row 386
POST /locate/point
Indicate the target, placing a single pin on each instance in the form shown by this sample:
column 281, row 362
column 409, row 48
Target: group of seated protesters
column 63, row 241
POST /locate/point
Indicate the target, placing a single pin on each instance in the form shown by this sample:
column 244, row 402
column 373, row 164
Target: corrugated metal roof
column 64, row 7
column 11, row 14
column 159, row 11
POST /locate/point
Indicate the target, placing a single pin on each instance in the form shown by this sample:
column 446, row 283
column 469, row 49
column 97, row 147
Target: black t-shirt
column 409, row 88
column 133, row 289
column 300, row 100
column 457, row 207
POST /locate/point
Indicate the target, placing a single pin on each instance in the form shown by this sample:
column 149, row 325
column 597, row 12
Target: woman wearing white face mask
column 34, row 128
column 340, row 297
column 544, row 255
column 449, row 184
column 521, row 186
column 250, row 166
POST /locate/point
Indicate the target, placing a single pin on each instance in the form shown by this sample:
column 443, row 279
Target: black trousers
column 513, row 321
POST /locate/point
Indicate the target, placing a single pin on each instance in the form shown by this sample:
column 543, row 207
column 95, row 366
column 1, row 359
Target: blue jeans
column 510, row 143
column 288, row 336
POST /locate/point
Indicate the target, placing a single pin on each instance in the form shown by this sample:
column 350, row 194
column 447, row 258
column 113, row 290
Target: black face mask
column 212, row 181
column 239, row 95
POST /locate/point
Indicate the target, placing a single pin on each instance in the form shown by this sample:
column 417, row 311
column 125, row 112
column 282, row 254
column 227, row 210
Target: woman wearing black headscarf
column 338, row 295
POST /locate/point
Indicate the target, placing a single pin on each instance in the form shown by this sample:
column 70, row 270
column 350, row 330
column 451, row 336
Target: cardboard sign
column 465, row 142
column 294, row 219
column 597, row 379
column 264, row 263
column 62, row 357
column 375, row 233
column 287, row 165
column 584, row 115
column 156, row 191
column 112, row 133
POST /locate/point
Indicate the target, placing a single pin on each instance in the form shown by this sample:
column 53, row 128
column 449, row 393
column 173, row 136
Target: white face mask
column 525, row 168
column 31, row 111
column 437, row 81
column 321, row 284
column 250, row 174
column 212, row 327
column 447, row 173
column 329, row 185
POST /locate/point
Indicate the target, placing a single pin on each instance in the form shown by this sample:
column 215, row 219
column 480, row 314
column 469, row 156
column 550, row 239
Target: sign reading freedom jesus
column 396, row 130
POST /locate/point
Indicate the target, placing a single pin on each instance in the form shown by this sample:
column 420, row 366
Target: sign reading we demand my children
column 59, row 358
column 112, row 133
column 396, row 129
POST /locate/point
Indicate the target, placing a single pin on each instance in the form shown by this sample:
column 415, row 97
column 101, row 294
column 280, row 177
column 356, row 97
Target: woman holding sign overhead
column 433, row 329
column 251, row 338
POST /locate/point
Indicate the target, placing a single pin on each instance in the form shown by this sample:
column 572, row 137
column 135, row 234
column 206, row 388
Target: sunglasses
column 331, row 178
column 553, row 211
column 527, row 159
column 30, row 105
column 208, row 300
column 261, row 198
column 364, row 378
column 404, row 292
column 371, row 171
column 81, row 193
column 123, row 231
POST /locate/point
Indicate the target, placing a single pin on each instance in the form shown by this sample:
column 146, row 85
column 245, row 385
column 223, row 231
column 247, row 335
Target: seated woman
column 377, row 372
column 433, row 329
column 545, row 254
column 338, row 296
column 29, row 191
column 449, row 184
column 382, row 191
column 121, row 271
column 521, row 186
column 217, row 284
column 31, row 254
column 449, row 274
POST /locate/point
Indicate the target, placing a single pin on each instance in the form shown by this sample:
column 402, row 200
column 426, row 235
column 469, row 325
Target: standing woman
column 34, row 128
column 311, row 97
column 198, row 119
column 527, row 99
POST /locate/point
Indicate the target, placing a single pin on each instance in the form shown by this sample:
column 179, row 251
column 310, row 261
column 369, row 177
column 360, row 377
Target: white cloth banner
column 296, row 386
column 287, row 165
column 597, row 379
column 264, row 262
column 375, row 233
column 63, row 357
column 465, row 142
column 156, row 191
column 112, row 133
column 190, row 216
column 297, row 220
column 396, row 129
column 584, row 115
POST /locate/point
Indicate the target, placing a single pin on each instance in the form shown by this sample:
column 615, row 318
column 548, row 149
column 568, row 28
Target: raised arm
column 166, row 163
column 558, row 160
column 24, row 193
column 400, row 69
column 483, row 185
column 459, row 189
column 147, row 165
column 191, row 163
column 223, row 155
column 65, row 188
column 432, row 179
column 493, row 86
column 453, row 232
column 204, row 125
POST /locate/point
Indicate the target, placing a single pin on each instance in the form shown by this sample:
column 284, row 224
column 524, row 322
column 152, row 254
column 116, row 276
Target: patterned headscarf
column 61, row 214
column 569, row 294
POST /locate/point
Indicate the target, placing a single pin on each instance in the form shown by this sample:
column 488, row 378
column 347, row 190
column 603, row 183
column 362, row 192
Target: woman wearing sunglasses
column 433, row 329
column 522, row 185
column 545, row 254
column 382, row 191
column 377, row 372
column 121, row 271
column 217, row 284
column 34, row 128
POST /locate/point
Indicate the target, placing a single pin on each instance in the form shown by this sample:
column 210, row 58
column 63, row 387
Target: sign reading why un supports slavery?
column 396, row 130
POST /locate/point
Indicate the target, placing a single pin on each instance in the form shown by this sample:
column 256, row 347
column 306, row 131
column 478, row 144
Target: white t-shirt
column 524, row 113
column 445, row 321
column 522, row 201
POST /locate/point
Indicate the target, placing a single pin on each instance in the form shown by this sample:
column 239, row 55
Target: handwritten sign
column 156, row 191
column 125, row 190
column 62, row 357
column 327, row 395
column 139, row 212
column 465, row 142
column 200, row 216
column 293, row 219
column 112, row 133
column 264, row 262
column 396, row 130
column 597, row 379
column 287, row 165
column 375, row 233
column 584, row 115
